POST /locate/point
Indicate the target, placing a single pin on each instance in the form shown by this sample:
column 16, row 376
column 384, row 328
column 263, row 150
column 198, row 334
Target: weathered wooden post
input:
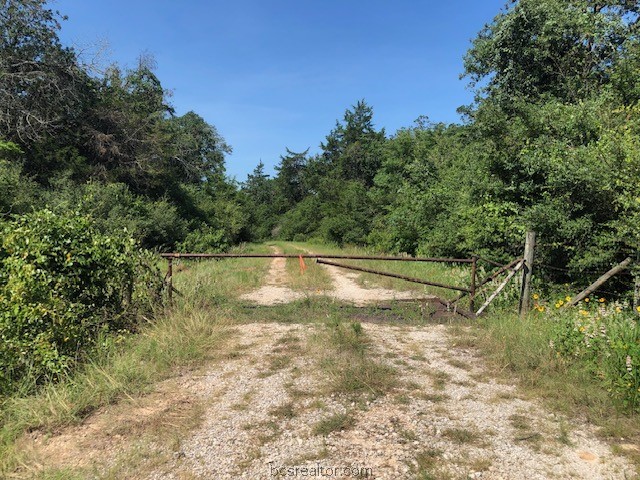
column 636, row 293
column 170, row 280
column 599, row 282
column 525, row 293
column 636, row 285
column 472, row 293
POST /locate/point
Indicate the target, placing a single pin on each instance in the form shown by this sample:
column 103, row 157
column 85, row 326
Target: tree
column 260, row 196
column 353, row 147
column 198, row 148
column 258, row 186
column 562, row 48
column 290, row 182
column 41, row 86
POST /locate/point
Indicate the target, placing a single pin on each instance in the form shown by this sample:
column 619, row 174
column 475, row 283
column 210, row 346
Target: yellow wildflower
column 582, row 328
column 638, row 308
column 568, row 298
column 586, row 300
column 602, row 300
column 584, row 312
column 618, row 309
column 536, row 296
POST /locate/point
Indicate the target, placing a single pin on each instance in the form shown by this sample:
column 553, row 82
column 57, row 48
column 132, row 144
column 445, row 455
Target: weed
column 284, row 411
column 440, row 379
column 519, row 422
column 428, row 466
column 461, row 435
column 433, row 397
column 334, row 423
column 454, row 362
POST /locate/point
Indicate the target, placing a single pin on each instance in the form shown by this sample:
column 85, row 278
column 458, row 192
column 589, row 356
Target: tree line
column 550, row 143
column 108, row 144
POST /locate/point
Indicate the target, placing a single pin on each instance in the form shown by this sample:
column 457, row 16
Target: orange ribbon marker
column 303, row 267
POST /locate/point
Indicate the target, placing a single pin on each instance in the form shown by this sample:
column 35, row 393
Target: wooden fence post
column 601, row 281
column 472, row 293
column 525, row 293
column 500, row 288
column 170, row 280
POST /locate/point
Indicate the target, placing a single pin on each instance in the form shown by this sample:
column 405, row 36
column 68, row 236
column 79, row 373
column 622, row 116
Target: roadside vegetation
column 550, row 144
column 572, row 371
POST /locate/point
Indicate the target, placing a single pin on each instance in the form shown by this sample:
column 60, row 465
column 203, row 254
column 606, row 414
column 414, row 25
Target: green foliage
column 352, row 148
column 607, row 338
column 260, row 194
column 561, row 48
column 290, row 182
column 17, row 193
column 63, row 285
column 113, row 207
column 204, row 240
column 302, row 221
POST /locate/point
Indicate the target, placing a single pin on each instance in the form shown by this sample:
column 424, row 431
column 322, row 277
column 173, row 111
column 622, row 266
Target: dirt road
column 345, row 288
column 266, row 413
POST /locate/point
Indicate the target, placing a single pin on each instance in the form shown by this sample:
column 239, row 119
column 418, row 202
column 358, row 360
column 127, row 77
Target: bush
column 607, row 338
column 63, row 285
column 113, row 207
column 204, row 240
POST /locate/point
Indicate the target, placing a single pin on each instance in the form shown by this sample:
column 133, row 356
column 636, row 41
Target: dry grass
column 516, row 350
column 334, row 423
column 312, row 279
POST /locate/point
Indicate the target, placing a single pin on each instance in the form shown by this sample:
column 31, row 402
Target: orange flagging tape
column 303, row 267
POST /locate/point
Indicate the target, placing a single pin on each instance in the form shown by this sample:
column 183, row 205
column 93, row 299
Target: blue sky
column 277, row 74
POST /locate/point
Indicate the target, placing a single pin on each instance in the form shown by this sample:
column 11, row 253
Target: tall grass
column 523, row 349
column 195, row 330
column 185, row 338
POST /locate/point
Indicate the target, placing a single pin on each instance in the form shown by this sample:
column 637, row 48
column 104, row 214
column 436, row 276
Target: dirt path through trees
column 273, row 405
column 345, row 288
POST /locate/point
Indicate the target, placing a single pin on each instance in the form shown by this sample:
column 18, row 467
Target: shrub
column 113, row 207
column 607, row 338
column 63, row 285
column 205, row 240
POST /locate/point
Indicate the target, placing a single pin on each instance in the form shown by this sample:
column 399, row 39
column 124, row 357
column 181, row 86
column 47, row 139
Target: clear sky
column 275, row 74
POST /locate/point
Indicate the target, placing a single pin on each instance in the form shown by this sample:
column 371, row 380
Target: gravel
column 449, row 412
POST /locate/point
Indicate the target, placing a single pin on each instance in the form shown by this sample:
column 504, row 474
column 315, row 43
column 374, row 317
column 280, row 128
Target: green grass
column 191, row 333
column 314, row 279
column 429, row 465
column 210, row 282
column 461, row 435
column 517, row 349
column 348, row 363
column 184, row 339
column 196, row 330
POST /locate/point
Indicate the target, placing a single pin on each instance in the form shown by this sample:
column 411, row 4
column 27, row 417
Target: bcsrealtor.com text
column 319, row 470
